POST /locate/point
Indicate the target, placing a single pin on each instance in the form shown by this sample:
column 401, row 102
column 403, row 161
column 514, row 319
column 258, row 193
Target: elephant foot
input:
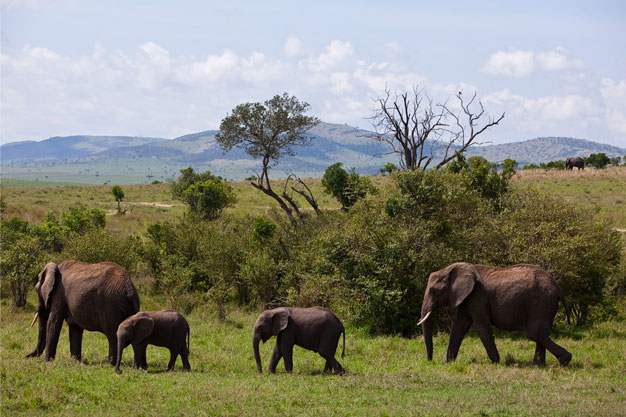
column 34, row 354
column 118, row 371
column 564, row 361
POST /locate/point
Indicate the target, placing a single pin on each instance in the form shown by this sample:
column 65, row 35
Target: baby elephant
column 165, row 328
column 314, row 328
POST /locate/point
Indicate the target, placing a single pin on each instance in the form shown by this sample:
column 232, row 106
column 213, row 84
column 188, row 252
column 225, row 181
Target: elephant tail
column 188, row 336
column 343, row 352
column 568, row 311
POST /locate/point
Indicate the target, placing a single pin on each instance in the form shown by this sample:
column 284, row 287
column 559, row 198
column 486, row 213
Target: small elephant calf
column 314, row 328
column 166, row 328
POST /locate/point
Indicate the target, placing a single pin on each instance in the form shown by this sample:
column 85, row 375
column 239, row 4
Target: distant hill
column 123, row 159
column 544, row 150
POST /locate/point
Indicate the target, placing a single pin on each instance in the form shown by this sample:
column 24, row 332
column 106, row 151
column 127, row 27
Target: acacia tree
column 411, row 125
column 118, row 194
column 268, row 131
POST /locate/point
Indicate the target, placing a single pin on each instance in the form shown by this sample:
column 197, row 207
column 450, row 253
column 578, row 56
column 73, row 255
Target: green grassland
column 602, row 189
column 385, row 375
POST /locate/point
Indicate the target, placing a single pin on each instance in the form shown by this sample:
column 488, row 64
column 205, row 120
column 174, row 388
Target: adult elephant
column 519, row 297
column 95, row 297
column 577, row 162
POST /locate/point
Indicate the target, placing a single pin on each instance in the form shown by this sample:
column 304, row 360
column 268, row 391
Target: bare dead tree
column 467, row 124
column 304, row 191
column 411, row 125
column 406, row 123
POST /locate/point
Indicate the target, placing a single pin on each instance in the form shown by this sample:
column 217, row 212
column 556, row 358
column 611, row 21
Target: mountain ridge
column 121, row 159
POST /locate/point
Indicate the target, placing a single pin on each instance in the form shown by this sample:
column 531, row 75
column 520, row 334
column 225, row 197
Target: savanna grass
column 385, row 375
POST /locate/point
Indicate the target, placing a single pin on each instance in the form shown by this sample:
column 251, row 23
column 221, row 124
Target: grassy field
column 602, row 189
column 385, row 375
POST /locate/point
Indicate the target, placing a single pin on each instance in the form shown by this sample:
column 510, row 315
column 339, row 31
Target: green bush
column 99, row 246
column 205, row 194
column 597, row 160
column 346, row 187
column 577, row 248
column 21, row 259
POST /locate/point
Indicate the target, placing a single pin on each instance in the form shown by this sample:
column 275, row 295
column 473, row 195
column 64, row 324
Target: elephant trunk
column 120, row 349
column 427, row 327
column 42, row 316
column 255, row 346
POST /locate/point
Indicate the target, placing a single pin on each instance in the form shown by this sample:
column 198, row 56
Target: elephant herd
column 101, row 297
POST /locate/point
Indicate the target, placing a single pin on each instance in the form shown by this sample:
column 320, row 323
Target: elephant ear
column 143, row 328
column 461, row 283
column 47, row 282
column 279, row 320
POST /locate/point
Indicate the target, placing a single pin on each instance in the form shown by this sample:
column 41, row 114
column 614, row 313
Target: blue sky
column 165, row 69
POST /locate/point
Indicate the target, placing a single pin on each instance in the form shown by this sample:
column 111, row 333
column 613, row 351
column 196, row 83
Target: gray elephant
column 167, row 328
column 518, row 297
column 314, row 328
column 94, row 297
column 576, row 161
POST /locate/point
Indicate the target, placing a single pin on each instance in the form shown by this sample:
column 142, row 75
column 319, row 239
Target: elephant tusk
column 34, row 319
column 424, row 319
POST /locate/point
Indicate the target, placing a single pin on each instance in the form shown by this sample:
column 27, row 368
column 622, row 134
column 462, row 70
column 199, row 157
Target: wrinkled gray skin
column 577, row 162
column 94, row 297
column 314, row 328
column 519, row 297
column 167, row 328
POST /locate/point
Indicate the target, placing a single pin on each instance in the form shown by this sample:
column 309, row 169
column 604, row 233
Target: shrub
column 577, row 248
column 100, row 246
column 21, row 259
column 205, row 194
column 597, row 160
column 346, row 187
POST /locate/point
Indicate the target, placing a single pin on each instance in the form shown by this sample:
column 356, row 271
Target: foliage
column 489, row 179
column 579, row 250
column 389, row 168
column 597, row 160
column 205, row 194
column 268, row 131
column 100, row 246
column 76, row 221
column 118, row 194
column 263, row 229
column 346, row 187
column 21, row 259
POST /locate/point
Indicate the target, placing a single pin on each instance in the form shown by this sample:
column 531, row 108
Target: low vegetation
column 368, row 263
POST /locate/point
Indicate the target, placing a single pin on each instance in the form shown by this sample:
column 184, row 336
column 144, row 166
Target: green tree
column 205, row 194
column 21, row 259
column 389, row 168
column 268, row 131
column 118, row 194
column 597, row 160
column 346, row 187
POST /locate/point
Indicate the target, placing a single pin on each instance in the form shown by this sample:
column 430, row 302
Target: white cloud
column 519, row 63
column 614, row 96
column 337, row 52
column 293, row 46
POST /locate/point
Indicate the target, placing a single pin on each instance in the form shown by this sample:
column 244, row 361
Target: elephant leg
column 286, row 349
column 137, row 357
column 540, row 355
column 53, row 331
column 276, row 355
column 486, row 336
column 76, row 341
column 462, row 323
column 173, row 355
column 184, row 355
column 112, row 339
column 558, row 351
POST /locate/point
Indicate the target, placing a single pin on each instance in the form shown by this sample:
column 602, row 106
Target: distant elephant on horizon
column 575, row 161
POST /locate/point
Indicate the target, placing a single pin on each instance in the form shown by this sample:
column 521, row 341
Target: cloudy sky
column 165, row 69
